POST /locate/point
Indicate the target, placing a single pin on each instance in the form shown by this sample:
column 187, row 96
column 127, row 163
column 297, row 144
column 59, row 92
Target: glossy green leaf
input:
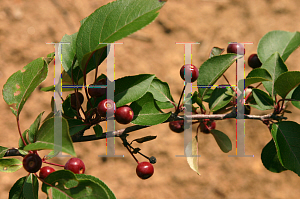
column 146, row 111
column 144, row 139
column 131, row 88
column 263, row 100
column 33, row 129
column 191, row 152
column 220, row 98
column 222, row 140
column 21, row 84
column 9, row 165
column 160, row 90
column 25, row 136
column 98, row 130
column 296, row 96
column 286, row 135
column 164, row 105
column 113, row 22
column 31, row 187
column 109, row 194
column 257, row 75
column 212, row 69
column 68, row 110
column 216, row 51
column 65, row 184
column 270, row 159
column 275, row 66
column 287, row 82
column 45, row 137
column 3, row 151
column 68, row 53
column 75, row 125
column 277, row 41
column 16, row 191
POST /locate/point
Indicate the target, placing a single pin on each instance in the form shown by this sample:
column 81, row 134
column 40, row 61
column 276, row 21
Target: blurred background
column 25, row 29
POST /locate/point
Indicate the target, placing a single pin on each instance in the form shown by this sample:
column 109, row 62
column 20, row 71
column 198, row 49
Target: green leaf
column 296, row 96
column 104, row 187
column 131, row 88
column 9, row 165
column 45, row 137
column 191, row 152
column 98, row 130
column 31, row 187
column 33, row 129
column 21, row 84
column 287, row 82
column 277, row 41
column 66, row 81
column 257, row 75
column 25, row 136
column 68, row 110
column 212, row 69
column 164, row 105
column 216, row 51
column 146, row 111
column 16, row 192
column 219, row 98
column 196, row 99
column 68, row 54
column 3, row 151
column 222, row 140
column 144, row 139
column 275, row 66
column 113, row 22
column 270, row 159
column 75, row 125
column 160, row 90
column 286, row 136
column 65, row 184
column 263, row 100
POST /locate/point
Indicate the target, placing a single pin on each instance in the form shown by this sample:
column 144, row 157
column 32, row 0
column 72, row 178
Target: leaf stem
column 19, row 129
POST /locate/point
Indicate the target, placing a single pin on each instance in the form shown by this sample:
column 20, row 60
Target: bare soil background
column 26, row 27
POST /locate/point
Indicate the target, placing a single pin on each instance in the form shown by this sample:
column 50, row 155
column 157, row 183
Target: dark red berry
column 235, row 48
column 206, row 126
column 193, row 69
column 73, row 100
column 75, row 165
column 98, row 92
column 45, row 171
column 32, row 163
column 105, row 105
column 124, row 114
column 144, row 170
column 177, row 126
column 253, row 61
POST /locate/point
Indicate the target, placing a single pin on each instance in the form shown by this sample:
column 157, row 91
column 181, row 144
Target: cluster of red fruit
column 123, row 114
column 237, row 48
column 32, row 163
column 207, row 125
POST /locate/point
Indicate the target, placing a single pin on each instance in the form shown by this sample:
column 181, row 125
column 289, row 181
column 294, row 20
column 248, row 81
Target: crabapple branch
column 120, row 132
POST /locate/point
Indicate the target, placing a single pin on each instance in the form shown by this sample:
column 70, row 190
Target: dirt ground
column 26, row 27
